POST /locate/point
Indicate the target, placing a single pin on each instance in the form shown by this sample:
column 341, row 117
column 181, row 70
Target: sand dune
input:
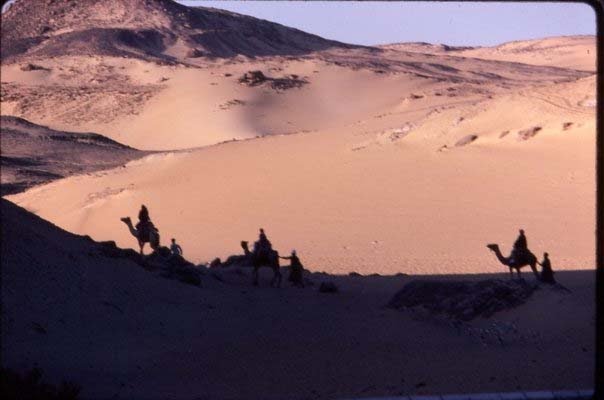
column 364, row 196
column 387, row 160
column 101, row 75
column 575, row 52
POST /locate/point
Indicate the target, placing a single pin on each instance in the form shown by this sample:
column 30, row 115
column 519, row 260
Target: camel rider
column 520, row 243
column 547, row 273
column 144, row 224
column 263, row 246
column 295, row 275
column 520, row 246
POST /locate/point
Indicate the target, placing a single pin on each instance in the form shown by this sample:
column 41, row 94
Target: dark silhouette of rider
column 295, row 275
column 263, row 240
column 547, row 274
column 144, row 224
column 520, row 247
column 263, row 246
column 143, row 214
column 520, row 243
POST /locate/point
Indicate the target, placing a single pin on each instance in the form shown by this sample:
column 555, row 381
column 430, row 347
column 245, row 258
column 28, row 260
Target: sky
column 453, row 23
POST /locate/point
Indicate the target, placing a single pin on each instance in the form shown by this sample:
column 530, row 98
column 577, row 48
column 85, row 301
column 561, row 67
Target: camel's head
column 493, row 246
column 244, row 245
column 125, row 220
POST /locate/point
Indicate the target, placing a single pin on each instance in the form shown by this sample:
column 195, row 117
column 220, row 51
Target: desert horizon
column 395, row 179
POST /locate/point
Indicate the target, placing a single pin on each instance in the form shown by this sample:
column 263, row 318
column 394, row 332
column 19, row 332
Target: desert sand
column 403, row 160
column 363, row 184
column 118, row 330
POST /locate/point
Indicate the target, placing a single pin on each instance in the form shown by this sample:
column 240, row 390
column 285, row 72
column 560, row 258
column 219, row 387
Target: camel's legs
column 534, row 268
column 276, row 278
column 278, row 273
column 255, row 276
column 511, row 272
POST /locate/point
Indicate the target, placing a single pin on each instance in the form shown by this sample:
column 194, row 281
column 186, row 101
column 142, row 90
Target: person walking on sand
column 297, row 269
column 547, row 273
column 175, row 248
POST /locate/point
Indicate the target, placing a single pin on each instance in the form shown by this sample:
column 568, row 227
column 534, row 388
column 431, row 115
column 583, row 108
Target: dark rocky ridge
column 59, row 248
column 144, row 29
column 33, row 154
column 464, row 300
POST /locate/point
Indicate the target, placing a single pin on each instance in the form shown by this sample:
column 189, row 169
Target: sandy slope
column 155, row 106
column 576, row 52
column 373, row 190
column 117, row 330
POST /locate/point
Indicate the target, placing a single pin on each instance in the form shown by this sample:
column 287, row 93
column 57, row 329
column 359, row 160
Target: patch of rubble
column 526, row 134
column 231, row 103
column 463, row 300
column 257, row 78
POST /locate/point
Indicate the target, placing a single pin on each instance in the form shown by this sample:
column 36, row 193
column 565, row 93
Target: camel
column 271, row 260
column 152, row 238
column 523, row 260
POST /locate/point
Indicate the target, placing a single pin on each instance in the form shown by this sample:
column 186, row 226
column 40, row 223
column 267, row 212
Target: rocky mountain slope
column 159, row 30
column 34, row 154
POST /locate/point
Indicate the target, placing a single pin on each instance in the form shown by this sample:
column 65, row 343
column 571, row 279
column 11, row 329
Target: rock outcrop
column 463, row 300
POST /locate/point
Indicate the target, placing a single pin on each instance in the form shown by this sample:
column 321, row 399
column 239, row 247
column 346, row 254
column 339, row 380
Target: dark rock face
column 170, row 266
column 144, row 29
column 464, row 300
column 34, row 154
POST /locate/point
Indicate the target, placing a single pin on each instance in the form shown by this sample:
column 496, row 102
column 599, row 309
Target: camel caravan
column 263, row 254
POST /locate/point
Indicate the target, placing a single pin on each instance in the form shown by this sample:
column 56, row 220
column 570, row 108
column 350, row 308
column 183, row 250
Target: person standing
column 297, row 269
column 175, row 248
column 547, row 273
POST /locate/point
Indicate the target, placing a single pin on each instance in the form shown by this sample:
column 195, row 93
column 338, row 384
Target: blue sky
column 454, row 23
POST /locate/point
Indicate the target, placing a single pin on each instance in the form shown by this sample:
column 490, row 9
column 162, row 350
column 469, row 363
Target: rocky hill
column 159, row 30
column 34, row 154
